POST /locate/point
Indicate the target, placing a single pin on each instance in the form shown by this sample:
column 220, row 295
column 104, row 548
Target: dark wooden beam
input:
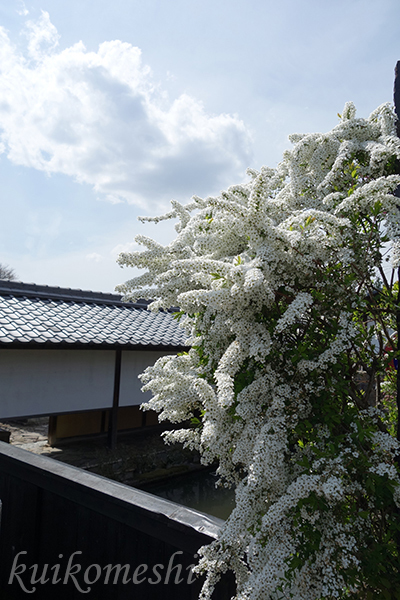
column 54, row 511
column 160, row 518
column 113, row 424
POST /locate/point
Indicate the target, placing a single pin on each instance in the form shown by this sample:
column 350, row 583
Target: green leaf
column 309, row 220
column 178, row 315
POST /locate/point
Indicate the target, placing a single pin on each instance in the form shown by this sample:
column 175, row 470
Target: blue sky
column 108, row 110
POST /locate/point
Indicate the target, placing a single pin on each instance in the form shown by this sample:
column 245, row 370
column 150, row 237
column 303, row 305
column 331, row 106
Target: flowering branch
column 290, row 375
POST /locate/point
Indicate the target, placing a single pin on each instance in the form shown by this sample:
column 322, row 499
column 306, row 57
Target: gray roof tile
column 33, row 314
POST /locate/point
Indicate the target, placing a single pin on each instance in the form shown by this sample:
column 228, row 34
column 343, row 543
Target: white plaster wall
column 132, row 365
column 42, row 382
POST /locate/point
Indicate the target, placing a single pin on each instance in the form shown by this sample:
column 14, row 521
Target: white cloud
column 127, row 247
column 22, row 11
column 94, row 256
column 100, row 118
column 42, row 37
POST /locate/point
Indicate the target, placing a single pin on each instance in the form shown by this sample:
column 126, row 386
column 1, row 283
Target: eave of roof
column 33, row 316
column 33, row 290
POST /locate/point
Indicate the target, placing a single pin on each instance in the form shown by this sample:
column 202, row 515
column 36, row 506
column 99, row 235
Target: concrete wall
column 43, row 382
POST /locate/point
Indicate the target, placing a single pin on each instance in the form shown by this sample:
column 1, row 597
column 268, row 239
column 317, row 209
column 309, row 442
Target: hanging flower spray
column 287, row 291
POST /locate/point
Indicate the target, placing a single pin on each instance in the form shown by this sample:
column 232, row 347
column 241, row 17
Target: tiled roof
column 41, row 315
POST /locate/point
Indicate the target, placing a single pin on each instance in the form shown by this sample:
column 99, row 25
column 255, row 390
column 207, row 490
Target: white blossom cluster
column 255, row 273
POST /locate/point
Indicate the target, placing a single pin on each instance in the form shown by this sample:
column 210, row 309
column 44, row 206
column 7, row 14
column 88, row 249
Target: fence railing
column 67, row 533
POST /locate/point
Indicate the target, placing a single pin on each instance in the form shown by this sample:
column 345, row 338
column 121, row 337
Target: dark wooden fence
column 100, row 539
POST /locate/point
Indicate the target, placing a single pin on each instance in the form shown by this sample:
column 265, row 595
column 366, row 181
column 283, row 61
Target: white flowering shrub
column 287, row 382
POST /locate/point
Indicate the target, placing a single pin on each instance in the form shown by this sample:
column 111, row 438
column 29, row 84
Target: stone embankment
column 139, row 458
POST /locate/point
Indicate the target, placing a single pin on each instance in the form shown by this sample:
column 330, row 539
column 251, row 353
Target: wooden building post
column 113, row 424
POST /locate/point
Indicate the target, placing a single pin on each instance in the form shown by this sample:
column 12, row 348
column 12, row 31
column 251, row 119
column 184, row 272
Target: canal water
column 197, row 490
